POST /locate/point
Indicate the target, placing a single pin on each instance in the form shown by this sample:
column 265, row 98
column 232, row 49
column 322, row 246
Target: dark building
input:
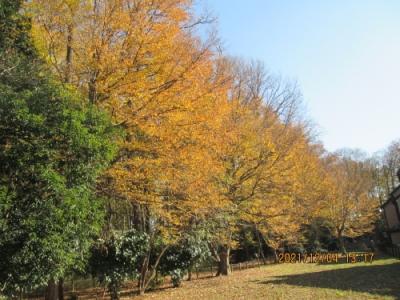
column 392, row 214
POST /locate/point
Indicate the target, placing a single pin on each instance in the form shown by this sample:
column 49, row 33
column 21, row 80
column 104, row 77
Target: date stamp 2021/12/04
column 335, row 257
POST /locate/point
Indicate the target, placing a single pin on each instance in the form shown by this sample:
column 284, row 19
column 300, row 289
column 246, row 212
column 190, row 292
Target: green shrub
column 117, row 259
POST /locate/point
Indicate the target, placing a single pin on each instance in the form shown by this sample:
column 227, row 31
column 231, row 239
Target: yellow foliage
column 203, row 141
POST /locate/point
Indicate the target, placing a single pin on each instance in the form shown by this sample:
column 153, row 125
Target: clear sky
column 344, row 54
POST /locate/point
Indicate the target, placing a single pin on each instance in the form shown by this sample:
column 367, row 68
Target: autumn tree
column 352, row 206
column 141, row 61
column 264, row 144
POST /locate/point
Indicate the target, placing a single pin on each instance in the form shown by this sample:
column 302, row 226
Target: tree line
column 131, row 148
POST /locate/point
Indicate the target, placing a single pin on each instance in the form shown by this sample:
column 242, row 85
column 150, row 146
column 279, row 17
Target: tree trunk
column 148, row 272
column 276, row 256
column 260, row 247
column 246, row 252
column 61, row 289
column 68, row 57
column 51, row 291
column 114, row 295
column 92, row 90
column 190, row 274
column 143, row 275
column 223, row 264
column 141, row 289
column 341, row 242
column 342, row 247
column 114, row 288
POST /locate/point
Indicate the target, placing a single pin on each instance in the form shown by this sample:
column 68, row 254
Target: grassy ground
column 377, row 280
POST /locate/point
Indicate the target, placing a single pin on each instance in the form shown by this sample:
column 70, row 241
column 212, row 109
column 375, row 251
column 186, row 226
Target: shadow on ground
column 383, row 280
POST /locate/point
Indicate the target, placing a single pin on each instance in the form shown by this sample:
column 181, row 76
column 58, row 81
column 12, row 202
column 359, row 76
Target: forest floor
column 377, row 280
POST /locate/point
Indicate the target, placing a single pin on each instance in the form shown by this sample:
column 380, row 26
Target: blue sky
column 345, row 56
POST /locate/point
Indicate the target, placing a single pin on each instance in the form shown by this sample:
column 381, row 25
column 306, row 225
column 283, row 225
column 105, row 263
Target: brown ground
column 377, row 280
